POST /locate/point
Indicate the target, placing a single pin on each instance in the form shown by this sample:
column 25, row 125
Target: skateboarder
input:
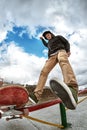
column 58, row 52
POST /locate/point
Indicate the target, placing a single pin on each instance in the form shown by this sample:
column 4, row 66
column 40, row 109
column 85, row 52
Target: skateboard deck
column 12, row 99
column 13, row 95
column 60, row 89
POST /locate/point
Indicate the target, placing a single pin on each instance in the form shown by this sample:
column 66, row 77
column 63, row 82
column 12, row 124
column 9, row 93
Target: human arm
column 44, row 42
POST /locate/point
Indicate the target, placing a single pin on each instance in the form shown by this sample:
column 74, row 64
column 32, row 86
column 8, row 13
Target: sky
column 22, row 22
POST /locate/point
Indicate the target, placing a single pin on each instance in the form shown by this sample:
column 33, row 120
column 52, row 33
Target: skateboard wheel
column 0, row 115
column 7, row 119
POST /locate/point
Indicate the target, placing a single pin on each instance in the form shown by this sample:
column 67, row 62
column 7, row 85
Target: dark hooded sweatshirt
column 56, row 43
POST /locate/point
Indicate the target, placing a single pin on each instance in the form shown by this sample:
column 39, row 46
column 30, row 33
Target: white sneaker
column 64, row 93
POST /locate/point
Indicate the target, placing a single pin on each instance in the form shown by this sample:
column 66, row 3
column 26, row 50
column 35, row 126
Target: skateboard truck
column 14, row 117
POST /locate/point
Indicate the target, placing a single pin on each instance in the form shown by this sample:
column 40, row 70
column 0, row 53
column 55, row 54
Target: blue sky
column 22, row 54
column 30, row 45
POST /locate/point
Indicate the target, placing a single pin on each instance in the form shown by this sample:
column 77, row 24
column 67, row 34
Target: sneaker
column 66, row 94
column 74, row 93
column 33, row 98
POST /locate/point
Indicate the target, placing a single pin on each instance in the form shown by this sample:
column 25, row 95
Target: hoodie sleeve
column 66, row 43
column 44, row 43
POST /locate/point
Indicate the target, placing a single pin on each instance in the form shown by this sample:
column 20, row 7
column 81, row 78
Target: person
column 58, row 52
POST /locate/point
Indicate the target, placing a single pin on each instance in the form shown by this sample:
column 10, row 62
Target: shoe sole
column 63, row 92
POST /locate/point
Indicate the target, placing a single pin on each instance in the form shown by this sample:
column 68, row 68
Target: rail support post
column 63, row 115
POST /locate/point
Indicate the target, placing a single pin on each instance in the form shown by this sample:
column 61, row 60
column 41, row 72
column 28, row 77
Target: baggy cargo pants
column 68, row 75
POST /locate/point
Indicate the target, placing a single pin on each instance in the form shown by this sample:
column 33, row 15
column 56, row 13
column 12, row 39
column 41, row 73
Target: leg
column 68, row 74
column 50, row 63
column 67, row 91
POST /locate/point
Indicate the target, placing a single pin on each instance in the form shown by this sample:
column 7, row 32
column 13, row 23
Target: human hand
column 41, row 37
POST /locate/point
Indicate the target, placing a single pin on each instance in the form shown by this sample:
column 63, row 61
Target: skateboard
column 12, row 99
column 60, row 89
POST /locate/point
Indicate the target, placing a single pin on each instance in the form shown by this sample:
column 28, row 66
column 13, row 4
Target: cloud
column 18, row 65
column 78, row 56
column 45, row 52
column 48, row 13
column 62, row 16
column 3, row 35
